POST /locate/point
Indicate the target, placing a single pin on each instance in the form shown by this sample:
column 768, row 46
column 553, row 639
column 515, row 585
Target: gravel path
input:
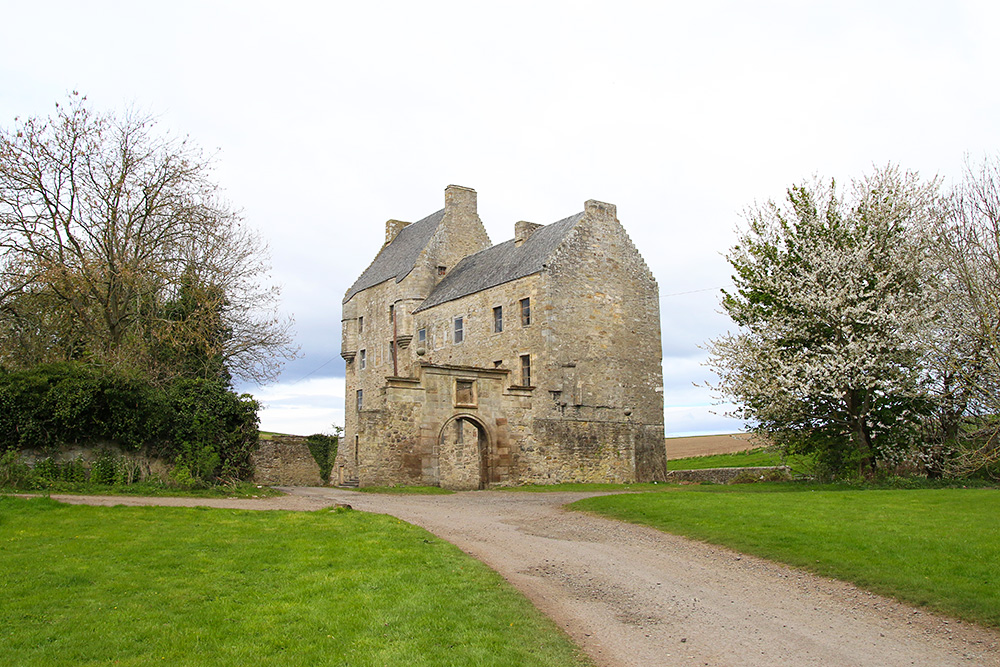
column 631, row 595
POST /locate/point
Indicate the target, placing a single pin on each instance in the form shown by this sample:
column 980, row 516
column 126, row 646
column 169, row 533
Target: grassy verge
column 144, row 585
column 933, row 547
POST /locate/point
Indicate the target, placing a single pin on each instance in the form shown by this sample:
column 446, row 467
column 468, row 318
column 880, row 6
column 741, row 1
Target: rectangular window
column 525, row 312
column 421, row 335
column 498, row 319
column 442, row 270
column 392, row 314
column 359, row 400
column 362, row 359
column 361, row 325
column 459, row 330
column 525, row 370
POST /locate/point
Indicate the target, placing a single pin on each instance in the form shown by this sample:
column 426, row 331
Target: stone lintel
column 447, row 369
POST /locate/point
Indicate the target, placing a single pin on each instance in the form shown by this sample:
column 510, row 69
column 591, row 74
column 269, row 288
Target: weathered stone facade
column 537, row 360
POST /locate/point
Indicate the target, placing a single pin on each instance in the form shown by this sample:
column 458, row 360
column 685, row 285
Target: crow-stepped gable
column 537, row 360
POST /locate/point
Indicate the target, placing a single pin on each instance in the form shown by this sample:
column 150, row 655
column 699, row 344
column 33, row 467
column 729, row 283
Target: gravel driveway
column 631, row 595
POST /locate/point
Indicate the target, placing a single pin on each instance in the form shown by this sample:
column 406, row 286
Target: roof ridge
column 501, row 263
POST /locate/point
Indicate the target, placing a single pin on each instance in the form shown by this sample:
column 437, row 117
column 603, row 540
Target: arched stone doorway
column 464, row 460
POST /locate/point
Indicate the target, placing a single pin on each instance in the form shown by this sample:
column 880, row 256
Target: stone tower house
column 537, row 360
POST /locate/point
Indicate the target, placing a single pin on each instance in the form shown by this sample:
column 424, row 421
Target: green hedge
column 201, row 425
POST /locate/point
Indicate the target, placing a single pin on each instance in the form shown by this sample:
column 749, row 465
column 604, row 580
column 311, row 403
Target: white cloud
column 302, row 408
column 331, row 118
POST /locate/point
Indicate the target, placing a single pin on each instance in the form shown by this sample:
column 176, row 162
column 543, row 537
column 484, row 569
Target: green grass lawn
column 750, row 458
column 933, row 547
column 178, row 586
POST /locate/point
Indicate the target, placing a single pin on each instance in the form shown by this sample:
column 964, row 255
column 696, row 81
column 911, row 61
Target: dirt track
column 630, row 595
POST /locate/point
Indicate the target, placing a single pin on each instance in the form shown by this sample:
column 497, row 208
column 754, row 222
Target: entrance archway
column 464, row 458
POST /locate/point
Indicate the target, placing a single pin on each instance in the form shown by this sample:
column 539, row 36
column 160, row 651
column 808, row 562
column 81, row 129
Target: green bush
column 323, row 448
column 14, row 473
column 213, row 431
column 200, row 424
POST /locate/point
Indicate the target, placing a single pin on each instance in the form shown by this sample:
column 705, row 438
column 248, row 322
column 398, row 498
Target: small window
column 362, row 359
column 459, row 330
column 498, row 319
column 465, row 392
column 392, row 313
column 525, row 370
column 360, row 399
column 525, row 312
column 442, row 270
column 421, row 335
column 361, row 325
column 356, row 446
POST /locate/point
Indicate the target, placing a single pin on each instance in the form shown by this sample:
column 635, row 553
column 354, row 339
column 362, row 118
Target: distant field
column 704, row 445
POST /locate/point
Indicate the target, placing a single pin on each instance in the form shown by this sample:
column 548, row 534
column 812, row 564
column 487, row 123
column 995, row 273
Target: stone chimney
column 392, row 228
column 522, row 230
column 459, row 199
column 600, row 209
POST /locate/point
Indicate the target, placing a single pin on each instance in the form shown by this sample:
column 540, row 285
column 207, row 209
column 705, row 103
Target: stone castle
column 537, row 360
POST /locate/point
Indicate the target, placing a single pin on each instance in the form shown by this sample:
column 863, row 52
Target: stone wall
column 720, row 475
column 150, row 467
column 285, row 461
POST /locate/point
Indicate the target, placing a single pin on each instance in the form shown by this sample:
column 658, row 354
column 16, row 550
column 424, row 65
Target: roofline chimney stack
column 458, row 198
column 522, row 230
column 392, row 229
column 600, row 209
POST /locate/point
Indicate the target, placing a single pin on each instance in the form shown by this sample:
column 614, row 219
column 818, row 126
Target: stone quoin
column 536, row 360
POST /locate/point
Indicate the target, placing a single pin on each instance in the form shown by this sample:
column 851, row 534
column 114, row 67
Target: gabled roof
column 397, row 259
column 501, row 263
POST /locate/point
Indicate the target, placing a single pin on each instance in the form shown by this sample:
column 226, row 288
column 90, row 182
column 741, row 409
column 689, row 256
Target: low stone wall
column 285, row 461
column 150, row 467
column 719, row 475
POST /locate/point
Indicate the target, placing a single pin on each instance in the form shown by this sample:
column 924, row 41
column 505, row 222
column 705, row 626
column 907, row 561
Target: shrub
column 214, row 431
column 200, row 424
column 323, row 448
column 772, row 475
column 14, row 473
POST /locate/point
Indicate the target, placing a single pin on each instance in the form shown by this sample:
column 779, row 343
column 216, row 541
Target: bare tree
column 104, row 226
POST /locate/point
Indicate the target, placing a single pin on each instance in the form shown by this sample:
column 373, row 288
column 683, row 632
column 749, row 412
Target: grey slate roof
column 501, row 263
column 397, row 259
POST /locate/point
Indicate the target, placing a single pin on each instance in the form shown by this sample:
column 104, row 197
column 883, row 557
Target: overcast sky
column 329, row 118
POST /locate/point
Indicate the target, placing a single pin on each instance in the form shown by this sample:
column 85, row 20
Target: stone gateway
column 537, row 360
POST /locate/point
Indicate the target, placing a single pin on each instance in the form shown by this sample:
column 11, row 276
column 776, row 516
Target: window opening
column 360, row 399
column 525, row 312
column 361, row 325
column 459, row 330
column 525, row 370
column 498, row 319
column 421, row 335
column 363, row 359
column 441, row 270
